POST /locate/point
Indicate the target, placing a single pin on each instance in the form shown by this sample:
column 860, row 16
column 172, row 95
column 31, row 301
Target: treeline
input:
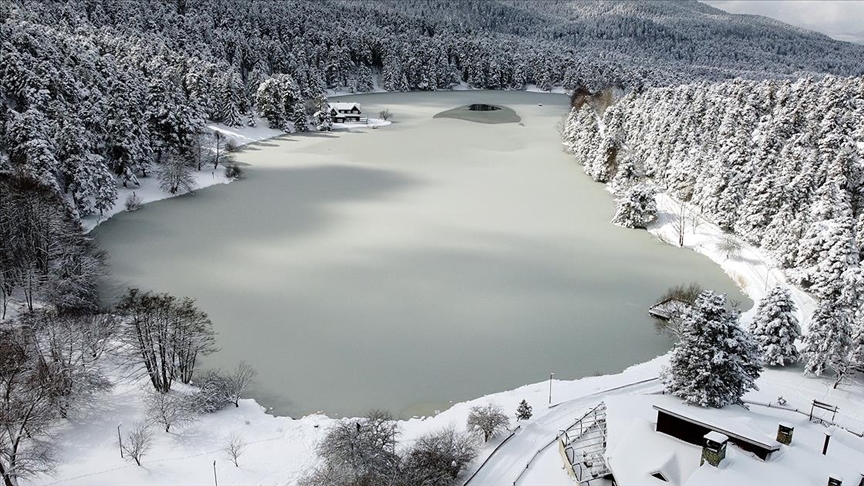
column 91, row 90
column 779, row 163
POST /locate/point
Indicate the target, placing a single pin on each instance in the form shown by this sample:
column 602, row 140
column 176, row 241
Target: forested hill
column 668, row 42
column 91, row 90
column 780, row 163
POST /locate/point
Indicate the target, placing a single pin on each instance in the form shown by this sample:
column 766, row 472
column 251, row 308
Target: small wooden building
column 342, row 112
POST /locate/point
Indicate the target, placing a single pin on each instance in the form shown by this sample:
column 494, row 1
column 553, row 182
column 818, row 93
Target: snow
column 716, row 437
column 344, row 105
column 640, row 451
column 556, row 89
column 750, row 267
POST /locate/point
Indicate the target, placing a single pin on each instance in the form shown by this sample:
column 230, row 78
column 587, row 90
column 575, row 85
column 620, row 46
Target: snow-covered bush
column 233, row 171
column 212, row 392
column 776, row 328
column 637, row 208
column 716, row 361
column 437, row 458
column 133, row 202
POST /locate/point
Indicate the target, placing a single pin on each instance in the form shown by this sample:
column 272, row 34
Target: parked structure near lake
column 342, row 112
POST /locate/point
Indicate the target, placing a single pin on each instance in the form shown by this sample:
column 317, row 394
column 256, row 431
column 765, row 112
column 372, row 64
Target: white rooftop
column 636, row 451
column 344, row 106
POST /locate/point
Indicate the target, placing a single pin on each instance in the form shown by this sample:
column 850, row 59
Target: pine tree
column 276, row 99
column 827, row 344
column 776, row 328
column 716, row 362
column 637, row 208
column 523, row 411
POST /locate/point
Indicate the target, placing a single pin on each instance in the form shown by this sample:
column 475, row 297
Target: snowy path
column 511, row 459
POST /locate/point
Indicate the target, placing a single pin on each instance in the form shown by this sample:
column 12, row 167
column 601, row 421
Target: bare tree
column 237, row 382
column 57, row 344
column 167, row 333
column 235, row 446
column 385, row 115
column 219, row 148
column 98, row 332
column 679, row 301
column 729, row 245
column 363, row 449
column 138, row 441
column 175, row 174
column 168, row 409
column 487, row 420
column 681, row 222
column 27, row 408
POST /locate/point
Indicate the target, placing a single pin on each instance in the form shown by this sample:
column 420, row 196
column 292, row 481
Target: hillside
column 779, row 163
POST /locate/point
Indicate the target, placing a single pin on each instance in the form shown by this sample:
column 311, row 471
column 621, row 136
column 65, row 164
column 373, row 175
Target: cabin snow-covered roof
column 344, row 106
column 636, row 451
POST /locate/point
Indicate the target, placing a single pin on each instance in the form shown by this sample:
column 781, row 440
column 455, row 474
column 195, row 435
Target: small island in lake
column 482, row 113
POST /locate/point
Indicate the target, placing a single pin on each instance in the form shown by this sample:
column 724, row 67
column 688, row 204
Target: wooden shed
column 692, row 429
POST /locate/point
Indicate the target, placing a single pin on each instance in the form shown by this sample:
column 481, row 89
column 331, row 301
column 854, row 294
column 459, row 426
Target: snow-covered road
column 506, row 465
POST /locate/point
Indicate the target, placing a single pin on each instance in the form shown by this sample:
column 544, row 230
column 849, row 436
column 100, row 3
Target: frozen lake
column 405, row 268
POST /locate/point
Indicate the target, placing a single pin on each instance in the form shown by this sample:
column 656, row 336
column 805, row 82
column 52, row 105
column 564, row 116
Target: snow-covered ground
column 280, row 449
column 749, row 267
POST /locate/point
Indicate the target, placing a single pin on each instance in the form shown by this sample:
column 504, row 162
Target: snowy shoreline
column 187, row 457
column 749, row 267
column 208, row 176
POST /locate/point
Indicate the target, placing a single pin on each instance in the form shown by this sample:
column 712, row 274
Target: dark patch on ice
column 482, row 113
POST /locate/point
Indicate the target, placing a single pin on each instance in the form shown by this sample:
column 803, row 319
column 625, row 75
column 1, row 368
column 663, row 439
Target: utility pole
column 215, row 479
column 120, row 439
column 550, row 387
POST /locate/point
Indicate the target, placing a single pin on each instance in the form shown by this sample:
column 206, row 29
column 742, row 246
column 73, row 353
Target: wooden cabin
column 342, row 112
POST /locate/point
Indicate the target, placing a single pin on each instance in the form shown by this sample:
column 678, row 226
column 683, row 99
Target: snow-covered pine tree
column 826, row 345
column 776, row 328
column 299, row 118
column 523, row 411
column 637, row 208
column 716, row 362
column 626, row 176
column 276, row 98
